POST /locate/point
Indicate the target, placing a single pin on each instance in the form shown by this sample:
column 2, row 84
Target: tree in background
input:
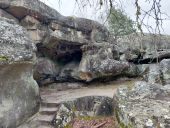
column 119, row 24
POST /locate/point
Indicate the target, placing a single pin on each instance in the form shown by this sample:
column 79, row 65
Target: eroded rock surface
column 147, row 48
column 144, row 105
column 90, row 106
column 19, row 94
column 80, row 47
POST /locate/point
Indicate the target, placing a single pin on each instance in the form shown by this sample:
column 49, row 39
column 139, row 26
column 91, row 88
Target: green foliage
column 3, row 58
column 119, row 24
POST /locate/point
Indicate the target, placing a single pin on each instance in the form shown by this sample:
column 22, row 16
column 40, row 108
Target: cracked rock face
column 19, row 93
column 144, row 105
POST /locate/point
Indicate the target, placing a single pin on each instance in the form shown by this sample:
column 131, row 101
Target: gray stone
column 18, row 47
column 34, row 8
column 154, row 74
column 98, row 61
column 84, row 106
column 165, row 70
column 131, row 71
column 4, row 3
column 143, row 69
column 148, row 47
column 63, row 117
column 44, row 71
column 70, row 71
column 19, row 94
column 143, row 105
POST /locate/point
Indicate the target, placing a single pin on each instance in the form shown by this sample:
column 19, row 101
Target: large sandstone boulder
column 144, row 105
column 99, row 61
column 19, row 93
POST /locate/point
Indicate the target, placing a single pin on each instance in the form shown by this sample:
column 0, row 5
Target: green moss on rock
column 3, row 58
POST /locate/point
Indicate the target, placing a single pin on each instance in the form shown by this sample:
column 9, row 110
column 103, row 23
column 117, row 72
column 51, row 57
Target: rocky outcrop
column 90, row 106
column 144, row 105
column 98, row 61
column 156, row 73
column 19, row 94
column 79, row 47
column 147, row 48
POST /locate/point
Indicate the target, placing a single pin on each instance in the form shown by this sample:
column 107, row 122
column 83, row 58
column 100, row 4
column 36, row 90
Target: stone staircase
column 43, row 119
column 51, row 99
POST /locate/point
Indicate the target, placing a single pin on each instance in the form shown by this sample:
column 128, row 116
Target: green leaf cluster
column 119, row 23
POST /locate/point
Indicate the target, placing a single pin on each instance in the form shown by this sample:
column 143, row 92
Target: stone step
column 45, row 119
column 49, row 104
column 48, row 110
column 47, row 126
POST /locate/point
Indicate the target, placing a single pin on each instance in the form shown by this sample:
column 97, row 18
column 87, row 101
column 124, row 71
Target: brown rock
column 37, row 35
column 7, row 15
column 30, row 22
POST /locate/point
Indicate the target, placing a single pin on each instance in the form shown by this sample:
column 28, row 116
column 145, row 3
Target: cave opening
column 67, row 52
column 63, row 53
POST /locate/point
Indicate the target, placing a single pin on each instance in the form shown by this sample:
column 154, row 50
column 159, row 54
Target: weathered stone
column 70, row 71
column 98, row 61
column 69, row 35
column 34, row 8
column 82, row 24
column 131, row 71
column 149, row 47
column 30, row 23
column 156, row 55
column 37, row 35
column 154, row 74
column 143, row 69
column 7, row 15
column 144, row 105
column 63, row 117
column 40, row 11
column 45, row 71
column 85, row 106
column 18, row 47
column 4, row 3
column 19, row 93
column 165, row 70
